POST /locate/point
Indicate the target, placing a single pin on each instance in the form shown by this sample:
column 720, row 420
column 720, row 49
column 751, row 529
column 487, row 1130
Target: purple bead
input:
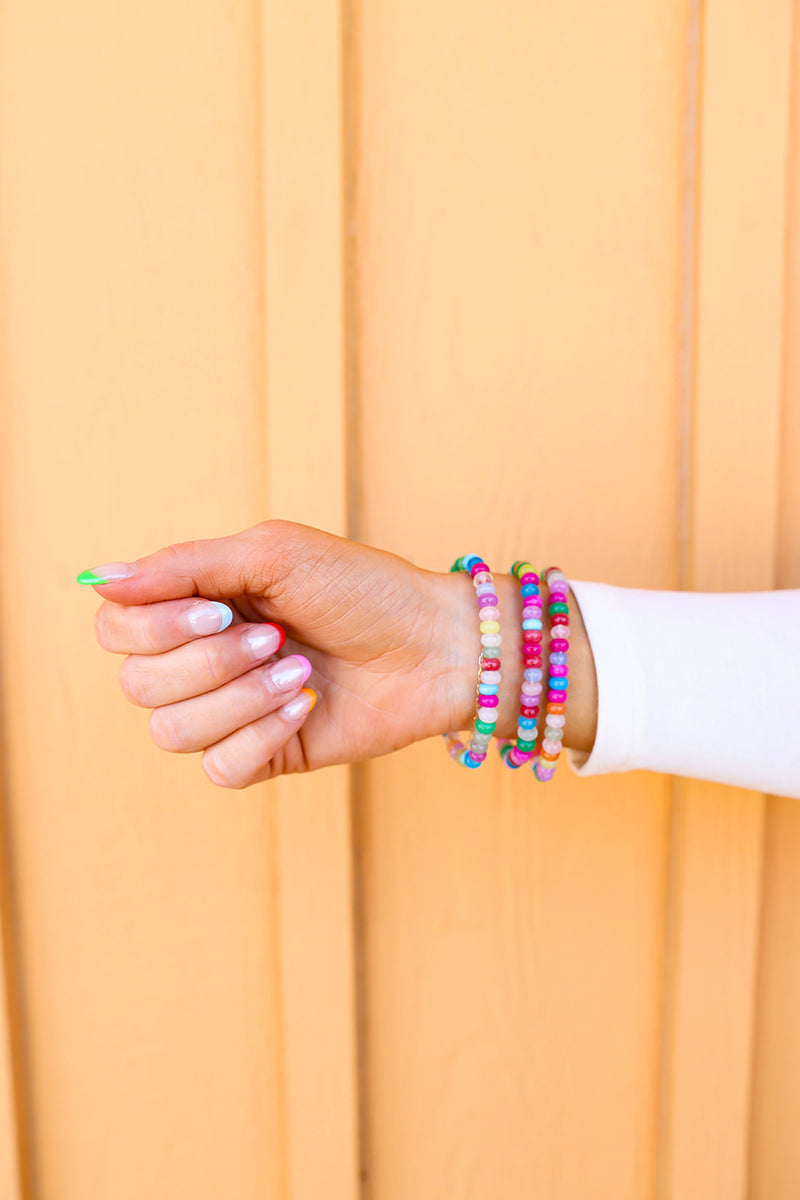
column 559, row 669
column 488, row 601
column 560, row 645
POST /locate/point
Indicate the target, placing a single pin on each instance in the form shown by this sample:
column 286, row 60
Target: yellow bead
column 490, row 626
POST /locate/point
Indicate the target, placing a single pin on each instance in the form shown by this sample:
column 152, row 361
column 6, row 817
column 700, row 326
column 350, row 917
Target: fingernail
column 290, row 671
column 264, row 640
column 210, row 616
column 298, row 707
column 107, row 573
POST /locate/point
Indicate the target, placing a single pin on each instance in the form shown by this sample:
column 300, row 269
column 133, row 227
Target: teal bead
column 527, row 722
column 529, row 589
column 484, row 726
column 525, row 747
column 559, row 683
column 488, row 689
column 558, row 607
column 532, row 623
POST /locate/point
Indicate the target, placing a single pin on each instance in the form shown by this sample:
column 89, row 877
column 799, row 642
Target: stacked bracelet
column 488, row 685
column 514, row 754
column 544, row 761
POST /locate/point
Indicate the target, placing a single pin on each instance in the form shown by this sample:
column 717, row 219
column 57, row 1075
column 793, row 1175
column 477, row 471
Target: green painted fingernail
column 107, row 573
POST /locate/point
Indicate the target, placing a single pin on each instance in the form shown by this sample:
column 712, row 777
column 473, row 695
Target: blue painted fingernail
column 209, row 616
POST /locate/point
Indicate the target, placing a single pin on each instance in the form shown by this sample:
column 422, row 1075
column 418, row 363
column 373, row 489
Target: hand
column 390, row 648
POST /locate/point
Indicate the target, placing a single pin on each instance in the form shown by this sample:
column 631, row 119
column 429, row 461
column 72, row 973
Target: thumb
column 252, row 562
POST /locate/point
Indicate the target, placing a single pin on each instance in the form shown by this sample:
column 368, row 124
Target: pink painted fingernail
column 290, row 671
column 210, row 616
column 298, row 707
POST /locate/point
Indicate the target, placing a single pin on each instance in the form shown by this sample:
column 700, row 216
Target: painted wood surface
column 522, row 279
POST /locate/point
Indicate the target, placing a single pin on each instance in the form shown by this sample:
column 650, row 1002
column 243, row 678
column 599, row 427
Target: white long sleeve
column 700, row 684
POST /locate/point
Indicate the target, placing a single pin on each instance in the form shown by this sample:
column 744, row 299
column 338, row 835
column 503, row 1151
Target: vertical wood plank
column 775, row 1147
column 130, row 386
column 717, row 833
column 519, row 229
column 12, row 1165
column 305, row 429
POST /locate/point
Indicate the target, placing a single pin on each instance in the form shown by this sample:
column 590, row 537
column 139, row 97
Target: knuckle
column 131, row 682
column 100, row 626
column 214, row 666
column 162, row 730
column 218, row 772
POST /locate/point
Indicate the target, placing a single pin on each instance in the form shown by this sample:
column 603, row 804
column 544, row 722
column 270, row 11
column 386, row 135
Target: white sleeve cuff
column 620, row 683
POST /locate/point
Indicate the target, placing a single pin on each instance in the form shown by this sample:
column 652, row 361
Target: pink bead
column 531, row 689
column 556, row 697
column 520, row 756
column 478, row 755
column 529, row 580
column 481, row 577
column 530, row 611
column 489, row 614
column 489, row 701
column 551, row 747
column 561, row 632
column 560, row 645
column 558, row 669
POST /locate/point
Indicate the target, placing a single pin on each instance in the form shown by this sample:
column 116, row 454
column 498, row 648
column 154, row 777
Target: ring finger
column 193, row 724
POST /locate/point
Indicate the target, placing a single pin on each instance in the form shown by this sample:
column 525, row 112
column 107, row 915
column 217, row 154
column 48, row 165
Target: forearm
column 463, row 641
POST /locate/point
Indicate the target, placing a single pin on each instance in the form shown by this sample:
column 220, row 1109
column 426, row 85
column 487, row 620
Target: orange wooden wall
column 348, row 264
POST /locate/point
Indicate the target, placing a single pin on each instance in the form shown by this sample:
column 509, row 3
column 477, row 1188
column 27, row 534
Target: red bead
column 534, row 660
column 559, row 619
column 490, row 664
column 531, row 635
column 525, row 711
column 560, row 645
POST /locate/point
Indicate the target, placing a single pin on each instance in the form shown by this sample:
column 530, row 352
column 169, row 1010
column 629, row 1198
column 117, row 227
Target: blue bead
column 532, row 623
column 559, row 657
column 488, row 689
column 469, row 559
column 527, row 722
column 530, row 589
column 532, row 674
column 559, row 683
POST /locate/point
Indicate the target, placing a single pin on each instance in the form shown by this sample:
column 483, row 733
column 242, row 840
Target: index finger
column 161, row 626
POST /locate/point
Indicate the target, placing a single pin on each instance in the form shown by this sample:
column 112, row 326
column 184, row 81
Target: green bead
column 484, row 727
column 557, row 608
column 525, row 746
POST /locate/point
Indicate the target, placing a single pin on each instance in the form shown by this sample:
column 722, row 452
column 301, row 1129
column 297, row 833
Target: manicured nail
column 264, row 640
column 290, row 671
column 107, row 573
column 298, row 707
column 208, row 617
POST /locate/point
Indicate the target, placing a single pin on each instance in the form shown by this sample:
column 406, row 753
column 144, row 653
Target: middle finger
column 152, row 680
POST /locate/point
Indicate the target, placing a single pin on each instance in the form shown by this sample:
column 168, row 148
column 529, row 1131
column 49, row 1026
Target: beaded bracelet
column 488, row 686
column 544, row 761
column 515, row 754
